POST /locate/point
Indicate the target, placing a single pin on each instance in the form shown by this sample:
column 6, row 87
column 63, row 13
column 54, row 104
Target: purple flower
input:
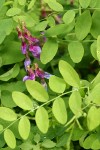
column 47, row 75
column 24, row 47
column 31, row 75
column 29, row 78
column 32, row 39
column 36, row 50
column 41, row 74
column 27, row 63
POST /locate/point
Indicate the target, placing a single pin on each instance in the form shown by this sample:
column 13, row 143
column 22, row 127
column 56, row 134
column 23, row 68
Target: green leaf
column 42, row 120
column 83, row 25
column 98, row 47
column 69, row 16
column 84, row 3
column 22, row 2
column 2, row 37
column 6, row 26
column 22, row 100
column 41, row 26
column 1, row 127
column 94, row 49
column 95, row 29
column 13, row 86
column 49, row 50
column 76, row 51
column 48, row 143
column 63, row 140
column 10, row 138
column 7, row 114
column 93, row 3
column 59, row 110
column 9, row 55
column 27, row 145
column 56, row 30
column 37, row 91
column 89, row 141
column 24, row 127
column 96, row 80
column 51, row 21
column 94, row 95
column 96, row 142
column 13, row 11
column 93, row 113
column 12, row 73
column 57, row 84
column 54, row 5
column 31, row 4
column 6, row 99
column 69, row 74
column 75, row 103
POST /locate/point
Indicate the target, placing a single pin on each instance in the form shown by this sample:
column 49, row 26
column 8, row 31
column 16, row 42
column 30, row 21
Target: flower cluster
column 31, row 44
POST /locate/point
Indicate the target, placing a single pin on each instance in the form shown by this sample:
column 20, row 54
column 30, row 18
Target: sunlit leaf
column 68, row 16
column 57, row 84
column 10, row 138
column 59, row 110
column 93, row 113
column 84, row 3
column 53, row 4
column 24, row 127
column 75, row 103
column 76, row 51
column 42, row 120
column 69, row 74
column 7, row 114
column 22, row 100
column 13, row 11
column 83, row 25
column 31, row 4
column 49, row 50
column 22, row 2
column 37, row 91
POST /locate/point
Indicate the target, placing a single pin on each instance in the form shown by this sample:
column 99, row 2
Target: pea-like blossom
column 24, row 47
column 36, row 50
column 29, row 43
column 27, row 63
column 30, row 76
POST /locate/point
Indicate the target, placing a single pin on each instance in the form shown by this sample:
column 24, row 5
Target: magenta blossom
column 36, row 50
column 31, row 75
column 41, row 74
column 24, row 47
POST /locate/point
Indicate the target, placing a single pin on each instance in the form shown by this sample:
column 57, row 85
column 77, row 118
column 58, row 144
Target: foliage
column 61, row 113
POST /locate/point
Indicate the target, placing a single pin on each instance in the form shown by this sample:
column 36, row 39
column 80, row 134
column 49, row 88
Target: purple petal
column 36, row 50
column 32, row 77
column 24, row 47
column 41, row 74
column 32, row 39
column 47, row 75
column 27, row 63
column 26, row 78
